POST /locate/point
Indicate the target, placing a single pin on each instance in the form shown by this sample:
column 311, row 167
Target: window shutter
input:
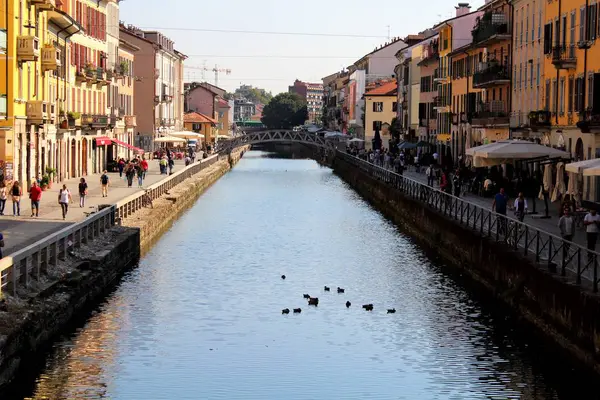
column 596, row 95
column 547, row 38
column 570, row 95
column 593, row 17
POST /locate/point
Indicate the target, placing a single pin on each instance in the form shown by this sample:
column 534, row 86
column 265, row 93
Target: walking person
column 430, row 175
column 83, row 191
column 104, row 181
column 139, row 170
column 64, row 198
column 499, row 206
column 129, row 174
column 3, row 196
column 171, row 166
column 1, row 245
column 121, row 167
column 591, row 221
column 520, row 207
column 35, row 195
column 144, row 164
column 16, row 192
column 567, row 231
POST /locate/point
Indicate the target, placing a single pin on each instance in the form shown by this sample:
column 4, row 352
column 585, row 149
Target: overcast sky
column 273, row 61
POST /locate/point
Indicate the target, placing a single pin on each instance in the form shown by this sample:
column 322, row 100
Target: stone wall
column 563, row 312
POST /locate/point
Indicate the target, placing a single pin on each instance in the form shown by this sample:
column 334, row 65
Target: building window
column 538, row 74
column 395, row 106
column 582, row 24
column 376, row 125
column 530, row 73
column 378, row 106
column 554, row 97
column 547, row 105
column 590, row 102
column 532, row 21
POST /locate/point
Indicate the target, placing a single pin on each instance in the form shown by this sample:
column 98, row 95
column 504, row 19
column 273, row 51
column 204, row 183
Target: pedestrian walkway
column 24, row 230
column 549, row 225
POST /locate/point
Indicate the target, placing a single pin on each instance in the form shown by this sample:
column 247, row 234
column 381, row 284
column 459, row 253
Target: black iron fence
column 559, row 256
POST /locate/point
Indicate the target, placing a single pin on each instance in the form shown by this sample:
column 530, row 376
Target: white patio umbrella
column 507, row 151
column 560, row 187
column 334, row 134
column 187, row 135
column 579, row 166
column 592, row 171
column 169, row 139
column 574, row 187
column 546, row 182
column 223, row 137
column 355, row 140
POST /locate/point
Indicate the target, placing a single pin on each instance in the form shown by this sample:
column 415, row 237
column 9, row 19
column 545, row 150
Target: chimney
column 462, row 9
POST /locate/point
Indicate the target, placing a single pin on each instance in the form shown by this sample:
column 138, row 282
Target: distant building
column 313, row 94
column 243, row 110
column 202, row 98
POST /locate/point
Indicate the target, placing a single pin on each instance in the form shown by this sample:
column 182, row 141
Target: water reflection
column 200, row 318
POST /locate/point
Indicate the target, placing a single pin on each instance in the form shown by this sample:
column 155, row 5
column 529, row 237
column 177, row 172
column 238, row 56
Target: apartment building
column 313, row 94
column 381, row 103
column 158, row 84
column 428, row 66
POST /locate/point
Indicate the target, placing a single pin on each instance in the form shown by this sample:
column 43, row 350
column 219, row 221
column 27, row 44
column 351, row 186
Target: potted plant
column 45, row 182
column 50, row 173
column 74, row 117
column 123, row 68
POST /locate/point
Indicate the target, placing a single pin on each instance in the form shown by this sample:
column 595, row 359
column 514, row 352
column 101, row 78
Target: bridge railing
column 571, row 260
column 30, row 263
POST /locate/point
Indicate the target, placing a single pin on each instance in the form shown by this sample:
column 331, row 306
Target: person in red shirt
column 144, row 165
column 35, row 195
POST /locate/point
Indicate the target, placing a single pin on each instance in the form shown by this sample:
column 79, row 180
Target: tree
column 254, row 95
column 285, row 111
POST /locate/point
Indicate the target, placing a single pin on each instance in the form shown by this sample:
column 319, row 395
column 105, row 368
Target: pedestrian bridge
column 281, row 136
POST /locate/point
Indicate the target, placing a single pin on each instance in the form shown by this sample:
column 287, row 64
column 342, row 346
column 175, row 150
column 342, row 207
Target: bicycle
column 146, row 200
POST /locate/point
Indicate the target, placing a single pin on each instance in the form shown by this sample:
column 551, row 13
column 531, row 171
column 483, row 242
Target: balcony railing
column 441, row 102
column 589, row 121
column 539, row 119
column 491, row 114
column 494, row 29
column 563, row 57
column 493, row 74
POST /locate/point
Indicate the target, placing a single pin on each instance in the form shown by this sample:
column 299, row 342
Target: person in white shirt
column 591, row 221
column 520, row 207
column 64, row 198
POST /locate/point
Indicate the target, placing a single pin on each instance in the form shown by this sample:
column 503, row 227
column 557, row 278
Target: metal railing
column 18, row 269
column 571, row 260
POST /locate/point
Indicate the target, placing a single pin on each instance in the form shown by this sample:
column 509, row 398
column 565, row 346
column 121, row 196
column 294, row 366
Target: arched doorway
column 579, row 150
column 73, row 159
column 84, row 158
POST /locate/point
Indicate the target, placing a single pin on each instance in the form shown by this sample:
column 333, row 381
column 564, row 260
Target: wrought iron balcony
column 563, row 57
column 589, row 121
column 493, row 113
column 493, row 74
column 491, row 30
column 441, row 102
column 539, row 119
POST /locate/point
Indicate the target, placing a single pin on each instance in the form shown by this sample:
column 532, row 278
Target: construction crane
column 216, row 70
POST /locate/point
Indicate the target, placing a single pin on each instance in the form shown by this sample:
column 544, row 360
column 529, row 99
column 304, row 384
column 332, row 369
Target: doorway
column 73, row 159
column 84, row 158
column 579, row 150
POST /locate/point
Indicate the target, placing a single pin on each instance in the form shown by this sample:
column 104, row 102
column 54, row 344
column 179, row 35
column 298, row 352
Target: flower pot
column 64, row 124
column 44, row 187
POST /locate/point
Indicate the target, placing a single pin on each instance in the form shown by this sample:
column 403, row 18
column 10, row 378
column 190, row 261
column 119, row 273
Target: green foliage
column 254, row 95
column 50, row 171
column 45, row 180
column 74, row 115
column 285, row 111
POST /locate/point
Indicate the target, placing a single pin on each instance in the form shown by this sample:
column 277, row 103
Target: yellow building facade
column 381, row 104
column 492, row 38
column 443, row 101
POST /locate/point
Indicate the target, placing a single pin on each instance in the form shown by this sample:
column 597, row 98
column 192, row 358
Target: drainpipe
column 510, row 76
column 65, row 61
column 558, row 69
column 7, row 58
column 585, row 53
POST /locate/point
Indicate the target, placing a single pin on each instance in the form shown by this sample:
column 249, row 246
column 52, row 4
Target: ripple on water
column 201, row 316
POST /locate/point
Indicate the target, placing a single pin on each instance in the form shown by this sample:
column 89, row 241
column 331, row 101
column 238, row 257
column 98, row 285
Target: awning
column 508, row 151
column 580, row 166
column 127, row 145
column 102, row 140
column 64, row 21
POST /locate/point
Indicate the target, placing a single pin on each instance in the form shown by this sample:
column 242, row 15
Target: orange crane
column 216, row 70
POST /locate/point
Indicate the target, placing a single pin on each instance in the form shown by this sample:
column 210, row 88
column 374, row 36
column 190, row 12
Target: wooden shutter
column 547, row 38
column 596, row 95
column 571, row 93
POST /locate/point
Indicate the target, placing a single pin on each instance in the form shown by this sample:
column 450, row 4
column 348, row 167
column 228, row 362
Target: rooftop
column 197, row 118
column 385, row 89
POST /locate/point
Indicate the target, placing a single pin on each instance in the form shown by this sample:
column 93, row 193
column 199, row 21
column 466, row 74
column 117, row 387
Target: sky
column 336, row 33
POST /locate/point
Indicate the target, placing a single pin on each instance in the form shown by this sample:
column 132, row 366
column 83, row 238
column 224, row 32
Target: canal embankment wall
column 58, row 282
column 565, row 313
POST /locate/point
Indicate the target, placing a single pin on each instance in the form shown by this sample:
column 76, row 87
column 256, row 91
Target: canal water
column 201, row 316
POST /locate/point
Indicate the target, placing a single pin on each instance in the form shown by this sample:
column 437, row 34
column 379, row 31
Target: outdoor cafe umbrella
column 169, row 139
column 187, row 135
column 507, row 151
column 407, row 146
column 334, row 134
column 579, row 166
column 355, row 140
column 574, row 187
column 560, row 187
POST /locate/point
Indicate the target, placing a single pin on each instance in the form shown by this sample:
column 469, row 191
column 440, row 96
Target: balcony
column 441, row 78
column 492, row 28
column 130, row 121
column 589, row 121
column 539, row 120
column 90, row 74
column 37, row 112
column 430, row 53
column 43, row 4
column 95, row 121
column 101, row 78
column 492, row 74
column 53, row 113
column 167, row 98
column 156, row 99
column 455, row 119
column 80, row 76
column 563, row 57
column 50, row 58
column 441, row 103
column 28, row 48
column 493, row 113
